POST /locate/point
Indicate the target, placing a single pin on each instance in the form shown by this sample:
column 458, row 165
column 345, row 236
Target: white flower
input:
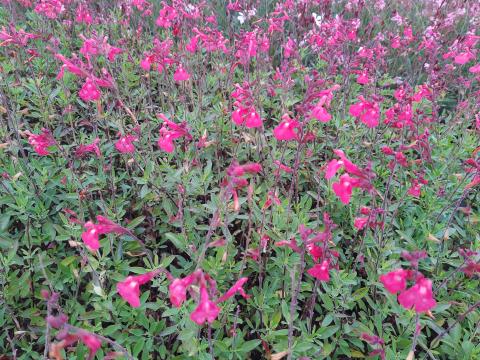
column 318, row 19
column 241, row 17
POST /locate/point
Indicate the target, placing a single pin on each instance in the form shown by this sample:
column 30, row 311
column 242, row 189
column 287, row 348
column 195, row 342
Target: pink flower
column 166, row 16
column 206, row 310
column 367, row 112
column 360, row 222
column 113, row 52
column 320, row 271
column 169, row 132
column 105, row 226
column 50, row 8
column 332, row 168
column 253, row 120
column 192, row 44
column 395, row 280
column 178, row 290
column 41, row 142
column 129, row 289
column 463, row 58
column 146, row 63
column 237, row 287
column 419, row 296
column 90, row 148
column 91, row 341
column 321, row 114
column 292, row 244
column 362, row 79
column 125, row 144
column 415, row 189
column 249, row 117
column 181, row 74
column 285, row 130
column 82, row 15
column 343, row 188
column 475, row 69
column 89, row 91
column 238, row 115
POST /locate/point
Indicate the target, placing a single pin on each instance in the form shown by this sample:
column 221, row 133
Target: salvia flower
column 368, row 112
column 395, row 280
column 171, row 131
column 104, row 226
column 129, row 289
column 320, row 113
column 419, row 296
column 286, row 129
column 206, row 311
column 181, row 74
column 50, row 8
column 320, row 271
column 125, row 144
column 90, row 148
column 41, row 142
column 89, row 91
column 354, row 178
column 237, row 287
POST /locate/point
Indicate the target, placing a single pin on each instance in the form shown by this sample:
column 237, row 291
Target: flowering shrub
column 239, row 179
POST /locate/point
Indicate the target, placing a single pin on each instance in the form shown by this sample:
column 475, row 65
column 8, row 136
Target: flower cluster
column 171, row 131
column 420, row 295
column 355, row 177
column 245, row 113
column 206, row 310
column 368, row 112
column 41, row 142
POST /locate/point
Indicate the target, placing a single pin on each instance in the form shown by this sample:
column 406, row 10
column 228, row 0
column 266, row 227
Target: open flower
column 41, row 142
column 419, row 296
column 89, row 91
column 89, row 148
column 181, row 74
column 104, row 226
column 169, row 132
column 206, row 310
column 343, row 188
column 395, row 280
column 129, row 289
column 320, row 271
column 368, row 112
column 125, row 144
column 286, row 129
column 178, row 290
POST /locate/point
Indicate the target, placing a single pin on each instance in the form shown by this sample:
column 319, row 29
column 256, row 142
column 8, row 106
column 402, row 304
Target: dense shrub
column 239, row 180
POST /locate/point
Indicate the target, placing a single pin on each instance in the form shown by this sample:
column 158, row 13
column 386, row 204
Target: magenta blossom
column 89, row 91
column 41, row 141
column 104, row 226
column 181, row 74
column 419, row 296
column 169, row 132
column 343, row 188
column 125, row 144
column 320, row 271
column 285, row 130
column 129, row 289
column 178, row 290
column 368, row 112
column 237, row 287
column 90, row 148
column 206, row 310
column 395, row 280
